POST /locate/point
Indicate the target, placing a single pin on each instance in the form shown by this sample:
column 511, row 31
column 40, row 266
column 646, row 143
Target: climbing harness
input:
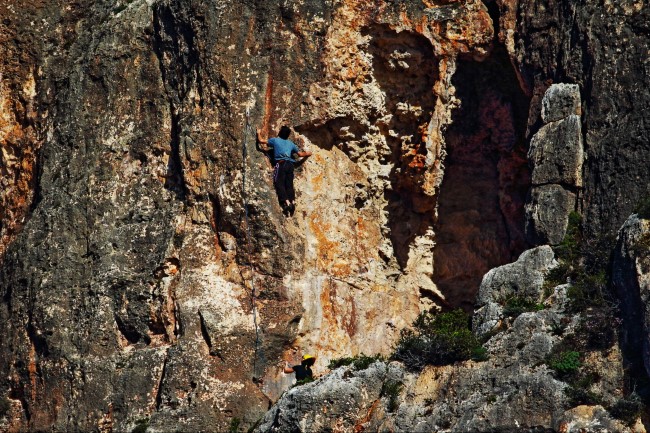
column 258, row 349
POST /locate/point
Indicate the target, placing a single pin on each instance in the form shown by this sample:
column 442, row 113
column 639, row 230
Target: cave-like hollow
column 480, row 222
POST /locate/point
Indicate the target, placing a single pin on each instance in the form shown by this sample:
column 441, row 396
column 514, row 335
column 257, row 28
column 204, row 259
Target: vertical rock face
column 147, row 274
column 631, row 278
column 155, row 277
column 603, row 49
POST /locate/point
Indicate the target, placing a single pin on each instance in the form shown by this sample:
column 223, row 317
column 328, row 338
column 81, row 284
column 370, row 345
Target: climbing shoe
column 292, row 209
column 286, row 209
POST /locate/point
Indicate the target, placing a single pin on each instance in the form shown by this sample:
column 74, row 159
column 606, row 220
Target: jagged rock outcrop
column 147, row 275
column 522, row 279
column 556, row 154
column 513, row 391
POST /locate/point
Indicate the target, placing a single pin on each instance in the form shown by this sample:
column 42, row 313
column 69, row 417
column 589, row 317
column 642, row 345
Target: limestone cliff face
column 147, row 272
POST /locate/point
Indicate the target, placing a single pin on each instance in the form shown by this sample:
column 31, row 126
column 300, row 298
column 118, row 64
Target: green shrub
column 569, row 249
column 558, row 327
column 304, row 381
column 516, row 305
column 583, row 262
column 597, row 329
column 5, row 406
column 479, row 353
column 141, row 426
column 627, row 409
column 234, row 425
column 339, row 362
column 643, row 209
column 565, row 363
column 391, row 389
column 579, row 396
column 359, row 362
column 437, row 339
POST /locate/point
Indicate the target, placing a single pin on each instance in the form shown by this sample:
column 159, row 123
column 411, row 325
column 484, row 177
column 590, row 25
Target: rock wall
column 148, row 276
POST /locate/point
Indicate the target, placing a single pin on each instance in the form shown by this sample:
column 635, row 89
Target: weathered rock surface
column 522, row 279
column 513, row 391
column 602, row 48
column 147, row 274
column 556, row 155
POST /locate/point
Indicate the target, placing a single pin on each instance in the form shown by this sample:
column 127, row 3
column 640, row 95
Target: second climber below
column 283, row 151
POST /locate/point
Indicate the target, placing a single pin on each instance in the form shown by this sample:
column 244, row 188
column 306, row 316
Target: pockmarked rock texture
column 522, row 279
column 556, row 155
column 144, row 240
column 147, row 275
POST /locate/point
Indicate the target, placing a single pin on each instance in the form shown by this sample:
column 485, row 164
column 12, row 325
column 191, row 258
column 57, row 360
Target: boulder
column 561, row 101
column 523, row 278
column 547, row 214
column 556, row 153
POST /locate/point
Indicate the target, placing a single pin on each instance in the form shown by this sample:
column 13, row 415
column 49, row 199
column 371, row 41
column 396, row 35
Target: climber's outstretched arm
column 287, row 369
column 303, row 154
column 262, row 143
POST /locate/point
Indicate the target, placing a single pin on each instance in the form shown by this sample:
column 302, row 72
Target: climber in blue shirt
column 283, row 151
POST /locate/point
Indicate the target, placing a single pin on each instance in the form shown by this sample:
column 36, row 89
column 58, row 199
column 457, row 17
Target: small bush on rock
column 516, row 305
column 141, row 426
column 391, row 389
column 438, row 339
column 582, row 263
column 565, row 363
column 628, row 409
column 4, row 406
column 580, row 396
column 303, row 381
column 359, row 362
column 234, row 425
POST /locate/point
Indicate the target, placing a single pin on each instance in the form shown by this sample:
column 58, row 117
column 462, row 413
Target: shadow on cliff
column 481, row 203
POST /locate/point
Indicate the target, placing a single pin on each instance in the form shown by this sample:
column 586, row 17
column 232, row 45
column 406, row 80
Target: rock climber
column 303, row 371
column 283, row 151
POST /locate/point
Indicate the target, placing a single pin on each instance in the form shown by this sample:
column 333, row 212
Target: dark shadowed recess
column 481, row 204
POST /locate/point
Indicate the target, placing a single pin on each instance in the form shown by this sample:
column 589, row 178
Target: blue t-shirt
column 282, row 149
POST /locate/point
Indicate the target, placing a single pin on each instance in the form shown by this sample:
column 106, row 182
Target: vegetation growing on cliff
column 438, row 339
column 4, row 406
column 359, row 362
column 643, row 209
column 583, row 263
column 516, row 305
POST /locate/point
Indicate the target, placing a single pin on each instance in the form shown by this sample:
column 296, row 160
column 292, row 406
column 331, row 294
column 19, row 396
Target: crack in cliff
column 177, row 61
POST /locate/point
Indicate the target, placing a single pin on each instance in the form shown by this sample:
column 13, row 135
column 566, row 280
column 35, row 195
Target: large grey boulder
column 523, row 278
column 561, row 101
column 547, row 214
column 341, row 398
column 556, row 152
column 556, row 156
